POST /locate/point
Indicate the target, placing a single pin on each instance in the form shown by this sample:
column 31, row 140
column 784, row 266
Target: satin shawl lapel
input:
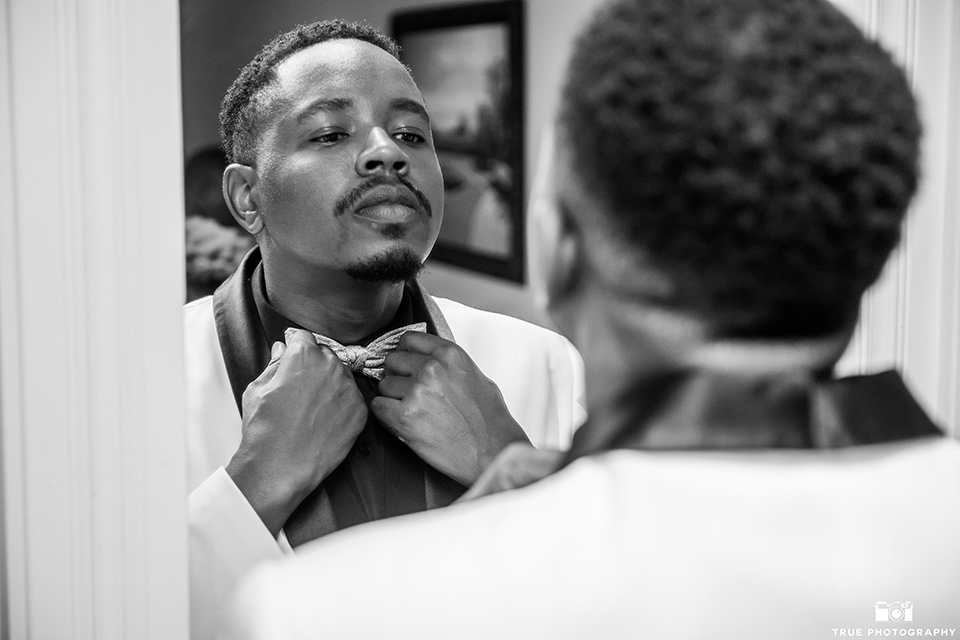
column 437, row 324
column 244, row 347
column 866, row 410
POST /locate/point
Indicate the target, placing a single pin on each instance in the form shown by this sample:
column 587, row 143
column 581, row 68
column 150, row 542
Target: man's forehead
column 340, row 61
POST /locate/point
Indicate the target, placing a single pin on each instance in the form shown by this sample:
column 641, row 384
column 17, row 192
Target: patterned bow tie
column 368, row 360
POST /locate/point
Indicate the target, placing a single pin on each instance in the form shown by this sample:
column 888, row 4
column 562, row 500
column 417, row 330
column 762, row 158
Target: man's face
column 346, row 169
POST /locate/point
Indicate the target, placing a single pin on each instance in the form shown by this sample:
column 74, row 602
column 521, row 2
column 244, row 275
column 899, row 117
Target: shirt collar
column 275, row 323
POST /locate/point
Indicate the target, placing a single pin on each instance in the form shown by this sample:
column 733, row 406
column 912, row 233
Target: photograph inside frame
column 467, row 63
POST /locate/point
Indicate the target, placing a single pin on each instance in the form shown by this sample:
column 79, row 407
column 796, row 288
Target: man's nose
column 381, row 153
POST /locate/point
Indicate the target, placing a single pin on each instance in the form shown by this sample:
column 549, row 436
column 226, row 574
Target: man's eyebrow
column 324, row 105
column 410, row 106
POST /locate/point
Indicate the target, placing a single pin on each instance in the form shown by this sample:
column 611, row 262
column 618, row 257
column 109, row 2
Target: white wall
column 91, row 281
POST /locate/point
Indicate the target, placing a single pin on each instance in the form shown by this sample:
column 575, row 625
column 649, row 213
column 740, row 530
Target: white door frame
column 91, row 283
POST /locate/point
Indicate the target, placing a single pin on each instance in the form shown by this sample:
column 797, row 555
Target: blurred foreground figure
column 729, row 177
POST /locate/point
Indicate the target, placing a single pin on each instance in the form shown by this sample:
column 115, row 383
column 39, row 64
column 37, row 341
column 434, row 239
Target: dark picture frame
column 468, row 62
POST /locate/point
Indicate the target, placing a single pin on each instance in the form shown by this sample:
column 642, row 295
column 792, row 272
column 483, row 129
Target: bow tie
column 368, row 360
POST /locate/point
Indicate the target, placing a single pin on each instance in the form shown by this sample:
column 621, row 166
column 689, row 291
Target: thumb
column 276, row 352
column 268, row 373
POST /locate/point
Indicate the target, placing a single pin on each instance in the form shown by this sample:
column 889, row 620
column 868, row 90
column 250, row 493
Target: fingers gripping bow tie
column 368, row 360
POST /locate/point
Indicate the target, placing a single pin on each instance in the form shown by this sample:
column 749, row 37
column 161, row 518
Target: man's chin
column 395, row 265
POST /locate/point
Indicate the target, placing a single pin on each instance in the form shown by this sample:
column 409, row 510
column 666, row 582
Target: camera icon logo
column 893, row 611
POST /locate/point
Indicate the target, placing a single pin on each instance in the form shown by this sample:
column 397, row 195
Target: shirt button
column 364, row 449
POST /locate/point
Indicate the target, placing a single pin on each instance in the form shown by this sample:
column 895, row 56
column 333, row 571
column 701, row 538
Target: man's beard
column 394, row 265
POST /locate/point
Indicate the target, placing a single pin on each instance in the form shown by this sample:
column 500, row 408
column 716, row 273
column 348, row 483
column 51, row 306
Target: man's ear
column 239, row 181
column 555, row 252
column 552, row 234
column 564, row 273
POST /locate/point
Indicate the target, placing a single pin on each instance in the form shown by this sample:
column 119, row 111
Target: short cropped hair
column 762, row 153
column 245, row 104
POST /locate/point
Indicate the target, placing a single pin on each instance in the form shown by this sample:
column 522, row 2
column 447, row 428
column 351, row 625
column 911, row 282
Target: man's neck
column 700, row 410
column 677, row 387
column 334, row 305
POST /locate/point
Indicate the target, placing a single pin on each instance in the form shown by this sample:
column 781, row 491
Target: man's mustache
column 346, row 202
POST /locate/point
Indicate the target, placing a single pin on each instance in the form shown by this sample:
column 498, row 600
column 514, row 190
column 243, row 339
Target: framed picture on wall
column 467, row 61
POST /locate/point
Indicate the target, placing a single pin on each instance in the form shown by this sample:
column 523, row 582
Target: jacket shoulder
column 202, row 354
column 467, row 323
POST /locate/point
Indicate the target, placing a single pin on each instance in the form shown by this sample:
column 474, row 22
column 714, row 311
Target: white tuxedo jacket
column 790, row 544
column 538, row 372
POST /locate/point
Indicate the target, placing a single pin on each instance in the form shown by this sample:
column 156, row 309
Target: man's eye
column 329, row 138
column 409, row 137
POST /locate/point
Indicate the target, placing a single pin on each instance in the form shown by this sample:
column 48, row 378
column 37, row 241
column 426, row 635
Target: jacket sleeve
column 227, row 539
column 226, row 536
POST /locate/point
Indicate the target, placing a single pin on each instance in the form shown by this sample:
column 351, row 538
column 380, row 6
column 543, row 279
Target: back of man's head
column 762, row 153
column 245, row 104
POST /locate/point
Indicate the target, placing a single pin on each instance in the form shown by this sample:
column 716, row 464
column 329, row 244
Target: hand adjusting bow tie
column 368, row 360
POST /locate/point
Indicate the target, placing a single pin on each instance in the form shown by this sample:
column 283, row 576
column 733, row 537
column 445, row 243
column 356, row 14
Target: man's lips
column 389, row 195
column 388, row 204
